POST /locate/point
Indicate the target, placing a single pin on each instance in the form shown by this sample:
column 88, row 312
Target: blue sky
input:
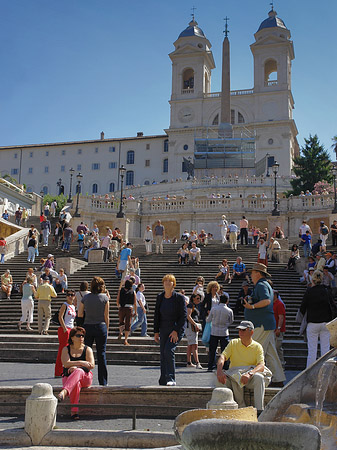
column 72, row 68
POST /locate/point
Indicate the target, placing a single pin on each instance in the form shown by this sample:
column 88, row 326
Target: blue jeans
column 80, row 246
column 45, row 234
column 2, row 258
column 66, row 244
column 213, row 344
column 306, row 249
column 167, row 357
column 98, row 333
column 141, row 321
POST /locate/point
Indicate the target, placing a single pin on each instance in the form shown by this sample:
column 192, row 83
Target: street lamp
column 275, row 168
column 59, row 184
column 334, row 174
column 79, row 177
column 120, row 213
column 71, row 182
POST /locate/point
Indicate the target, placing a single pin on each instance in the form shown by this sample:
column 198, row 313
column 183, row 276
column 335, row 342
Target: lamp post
column 59, row 184
column 120, row 213
column 71, row 171
column 79, row 177
column 334, row 174
column 275, row 211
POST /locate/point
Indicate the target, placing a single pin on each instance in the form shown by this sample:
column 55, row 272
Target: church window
column 45, row 190
column 165, row 165
column 147, row 146
column 130, row 157
column 79, row 151
column 31, row 154
column 112, row 165
column 129, row 178
column 270, row 72
column 112, row 187
column 216, row 120
column 14, row 171
column 63, row 152
column 30, row 170
column 112, row 149
column 79, row 167
column 185, row 147
column 95, row 166
column 94, row 188
column 166, row 145
column 188, row 79
column 15, row 155
column 96, row 150
column 29, row 189
column 63, row 168
column 46, row 169
column 47, row 153
column 241, row 119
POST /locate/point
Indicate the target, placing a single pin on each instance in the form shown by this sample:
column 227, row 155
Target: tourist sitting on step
column 273, row 249
column 316, row 248
column 278, row 233
column 311, row 265
column 7, row 283
column 244, row 292
column 185, row 236
column 61, row 282
column 239, row 271
column 183, row 254
column 246, row 369
column 30, row 273
column 95, row 244
column 202, row 238
column 195, row 254
column 78, row 361
column 224, row 271
column 192, row 238
column 294, row 256
column 46, row 276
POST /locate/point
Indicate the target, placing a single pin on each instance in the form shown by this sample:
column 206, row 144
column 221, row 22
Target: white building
column 264, row 111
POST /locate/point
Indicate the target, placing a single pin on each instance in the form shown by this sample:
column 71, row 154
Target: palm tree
column 334, row 145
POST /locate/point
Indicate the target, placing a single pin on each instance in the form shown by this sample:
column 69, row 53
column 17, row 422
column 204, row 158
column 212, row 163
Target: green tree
column 61, row 201
column 313, row 165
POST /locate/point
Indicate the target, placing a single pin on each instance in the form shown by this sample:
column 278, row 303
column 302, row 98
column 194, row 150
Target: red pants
column 73, row 384
column 263, row 260
column 63, row 342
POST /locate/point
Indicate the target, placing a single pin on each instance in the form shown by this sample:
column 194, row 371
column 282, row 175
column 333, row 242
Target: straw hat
column 259, row 267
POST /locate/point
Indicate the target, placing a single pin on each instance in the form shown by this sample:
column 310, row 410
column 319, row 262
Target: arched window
column 146, row 183
column 216, row 120
column 165, row 165
column 270, row 72
column 94, row 188
column 166, row 145
column 129, row 178
column 130, row 158
column 188, row 79
column 45, row 190
column 241, row 119
column 112, row 187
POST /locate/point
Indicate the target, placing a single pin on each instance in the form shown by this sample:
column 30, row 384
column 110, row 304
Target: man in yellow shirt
column 44, row 294
column 246, row 366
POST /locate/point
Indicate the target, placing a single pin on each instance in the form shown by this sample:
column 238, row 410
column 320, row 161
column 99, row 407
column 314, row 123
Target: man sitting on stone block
column 246, row 367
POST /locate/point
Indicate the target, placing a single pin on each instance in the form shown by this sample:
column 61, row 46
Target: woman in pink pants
column 78, row 361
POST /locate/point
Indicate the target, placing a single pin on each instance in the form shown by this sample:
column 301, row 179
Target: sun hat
column 259, row 267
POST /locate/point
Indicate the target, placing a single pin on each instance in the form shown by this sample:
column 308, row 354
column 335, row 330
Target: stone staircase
column 30, row 347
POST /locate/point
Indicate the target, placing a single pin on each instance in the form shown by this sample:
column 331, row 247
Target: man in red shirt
column 280, row 317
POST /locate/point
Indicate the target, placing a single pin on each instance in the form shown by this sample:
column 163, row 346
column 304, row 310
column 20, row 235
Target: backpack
column 324, row 230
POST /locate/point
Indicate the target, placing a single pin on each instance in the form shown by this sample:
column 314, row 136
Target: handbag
column 55, row 317
column 206, row 335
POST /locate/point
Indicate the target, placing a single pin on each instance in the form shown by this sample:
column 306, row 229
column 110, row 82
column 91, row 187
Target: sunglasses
column 79, row 335
column 70, row 294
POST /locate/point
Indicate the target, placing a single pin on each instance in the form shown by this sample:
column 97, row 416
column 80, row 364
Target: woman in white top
column 183, row 254
column 262, row 255
column 67, row 315
column 141, row 311
column 223, row 228
column 148, row 239
column 224, row 271
column 27, row 303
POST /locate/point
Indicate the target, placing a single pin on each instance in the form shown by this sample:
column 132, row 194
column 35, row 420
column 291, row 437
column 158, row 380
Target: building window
column 147, row 183
column 216, row 120
column 30, row 170
column 270, row 72
column 63, row 152
column 165, row 165
column 47, row 153
column 15, row 155
column 129, row 178
column 185, row 147
column 112, row 187
column 45, row 190
column 241, row 119
column 14, row 171
column 96, row 150
column 63, row 168
column 46, row 169
column 79, row 167
column 188, row 79
column 79, row 151
column 112, row 165
column 95, row 166
column 130, row 158
column 232, row 116
column 147, row 146
column 31, row 154
column 29, row 189
column 112, row 149
column 166, row 142
column 94, row 188
column 147, row 163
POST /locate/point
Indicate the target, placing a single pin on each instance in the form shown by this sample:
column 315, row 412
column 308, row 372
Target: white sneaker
column 171, row 383
column 199, row 366
column 191, row 365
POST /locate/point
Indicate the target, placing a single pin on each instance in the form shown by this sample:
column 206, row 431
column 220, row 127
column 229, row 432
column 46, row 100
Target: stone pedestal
column 274, row 221
column 70, row 265
column 222, row 398
column 40, row 416
column 96, row 256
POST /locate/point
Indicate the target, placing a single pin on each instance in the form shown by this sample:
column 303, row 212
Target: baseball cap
column 244, row 324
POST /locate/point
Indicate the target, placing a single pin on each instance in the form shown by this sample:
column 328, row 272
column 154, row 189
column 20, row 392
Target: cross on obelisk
column 226, row 19
column 193, row 9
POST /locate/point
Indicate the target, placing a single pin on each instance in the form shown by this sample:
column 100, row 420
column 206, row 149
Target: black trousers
column 244, row 233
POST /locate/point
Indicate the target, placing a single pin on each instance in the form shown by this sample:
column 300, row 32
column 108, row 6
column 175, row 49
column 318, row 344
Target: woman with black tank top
column 126, row 302
column 78, row 361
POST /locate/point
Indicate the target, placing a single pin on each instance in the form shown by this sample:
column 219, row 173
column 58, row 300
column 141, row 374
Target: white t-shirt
column 70, row 315
column 304, row 228
column 262, row 250
column 194, row 251
column 141, row 298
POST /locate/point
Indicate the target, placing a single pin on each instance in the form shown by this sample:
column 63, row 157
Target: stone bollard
column 222, row 398
column 40, row 416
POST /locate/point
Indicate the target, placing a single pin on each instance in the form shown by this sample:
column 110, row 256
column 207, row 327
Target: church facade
column 262, row 114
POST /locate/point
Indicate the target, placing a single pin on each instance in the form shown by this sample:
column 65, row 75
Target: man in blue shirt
column 239, row 270
column 5, row 215
column 259, row 310
column 306, row 239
